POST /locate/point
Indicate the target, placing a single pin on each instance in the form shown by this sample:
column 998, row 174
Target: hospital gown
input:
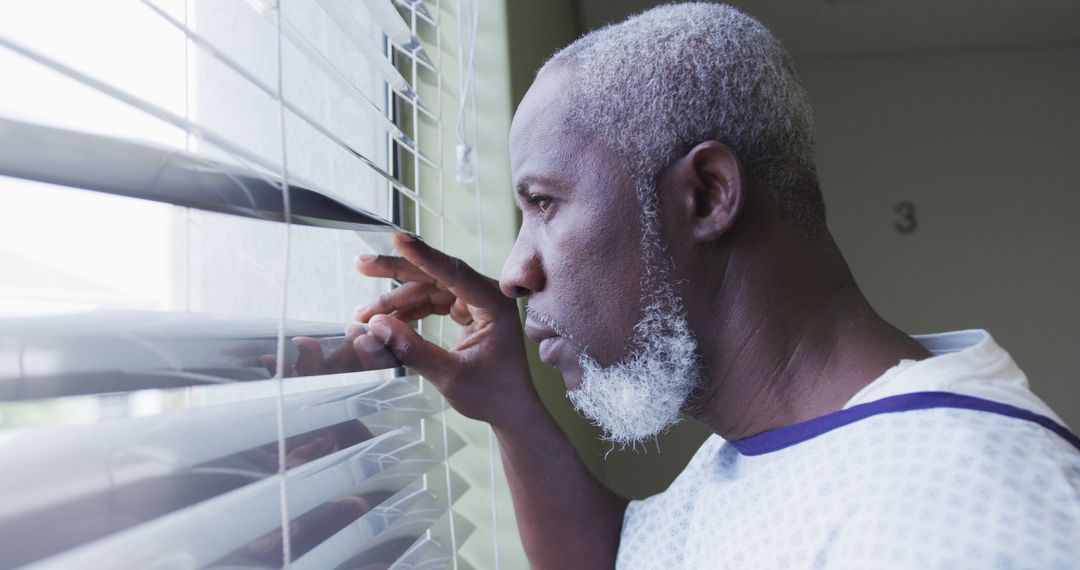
column 949, row 462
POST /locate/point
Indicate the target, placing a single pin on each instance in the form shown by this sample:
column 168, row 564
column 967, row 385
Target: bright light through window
column 59, row 244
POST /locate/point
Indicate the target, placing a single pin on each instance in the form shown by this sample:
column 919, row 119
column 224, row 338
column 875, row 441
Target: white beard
column 642, row 395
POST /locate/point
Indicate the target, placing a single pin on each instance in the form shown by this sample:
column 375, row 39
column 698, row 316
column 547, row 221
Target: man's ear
column 712, row 183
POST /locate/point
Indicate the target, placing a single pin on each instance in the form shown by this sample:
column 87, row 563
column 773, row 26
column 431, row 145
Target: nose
column 523, row 273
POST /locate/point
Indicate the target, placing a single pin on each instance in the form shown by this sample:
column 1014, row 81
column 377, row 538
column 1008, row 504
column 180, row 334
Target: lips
column 549, row 349
column 549, row 340
column 537, row 331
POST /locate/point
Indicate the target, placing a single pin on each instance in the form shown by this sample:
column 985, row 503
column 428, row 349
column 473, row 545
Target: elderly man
column 676, row 263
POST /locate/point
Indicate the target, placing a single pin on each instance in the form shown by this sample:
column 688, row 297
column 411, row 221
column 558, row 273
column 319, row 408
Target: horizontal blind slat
column 52, row 466
column 353, row 538
column 200, row 534
column 144, row 345
column 315, row 56
column 422, row 11
column 356, row 33
column 412, row 510
column 433, row 550
column 140, row 170
column 309, row 488
column 398, row 32
column 210, row 136
column 138, row 103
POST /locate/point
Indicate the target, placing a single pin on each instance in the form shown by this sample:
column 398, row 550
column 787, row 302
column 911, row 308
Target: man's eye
column 542, row 203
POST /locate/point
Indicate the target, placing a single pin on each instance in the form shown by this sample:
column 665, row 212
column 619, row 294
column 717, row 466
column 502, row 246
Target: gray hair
column 662, row 81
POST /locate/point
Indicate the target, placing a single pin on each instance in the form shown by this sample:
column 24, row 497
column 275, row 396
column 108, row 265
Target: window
column 170, row 226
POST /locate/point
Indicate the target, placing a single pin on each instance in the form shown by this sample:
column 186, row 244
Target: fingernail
column 352, row 330
column 365, row 257
column 359, row 310
column 380, row 328
column 406, row 237
column 368, row 342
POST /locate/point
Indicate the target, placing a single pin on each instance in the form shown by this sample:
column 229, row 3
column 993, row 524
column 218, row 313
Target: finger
column 451, row 272
column 269, row 362
column 310, row 359
column 459, row 311
column 404, row 299
column 421, row 311
column 309, row 529
column 392, row 267
column 350, row 433
column 343, row 359
column 310, row 451
column 372, row 354
column 411, row 349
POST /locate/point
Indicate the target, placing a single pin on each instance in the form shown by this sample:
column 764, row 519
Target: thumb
column 427, row 358
column 309, row 361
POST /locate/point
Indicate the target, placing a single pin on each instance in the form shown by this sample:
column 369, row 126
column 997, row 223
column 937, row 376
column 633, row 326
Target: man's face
column 578, row 254
column 601, row 301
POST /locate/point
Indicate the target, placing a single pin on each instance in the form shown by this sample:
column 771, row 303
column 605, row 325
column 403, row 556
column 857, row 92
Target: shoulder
column 962, row 488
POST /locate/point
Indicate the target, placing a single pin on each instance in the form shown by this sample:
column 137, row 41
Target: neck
column 798, row 339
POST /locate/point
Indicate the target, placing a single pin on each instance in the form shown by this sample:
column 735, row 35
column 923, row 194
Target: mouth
column 549, row 340
column 549, row 349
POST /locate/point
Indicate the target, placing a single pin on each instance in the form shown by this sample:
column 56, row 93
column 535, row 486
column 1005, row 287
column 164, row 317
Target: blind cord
column 465, row 170
column 442, row 319
column 283, row 492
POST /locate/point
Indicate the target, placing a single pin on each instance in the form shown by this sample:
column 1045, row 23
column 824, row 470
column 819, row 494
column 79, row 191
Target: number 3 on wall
column 906, row 222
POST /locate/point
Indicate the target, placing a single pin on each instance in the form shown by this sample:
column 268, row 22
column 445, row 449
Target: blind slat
column 141, row 104
column 210, row 530
column 356, row 34
column 50, row 467
column 433, row 550
column 156, row 349
column 316, row 57
column 422, row 11
column 396, row 29
column 232, row 71
column 358, row 535
column 140, row 170
column 224, row 143
column 414, row 508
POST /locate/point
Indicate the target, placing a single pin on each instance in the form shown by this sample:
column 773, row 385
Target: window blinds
column 185, row 184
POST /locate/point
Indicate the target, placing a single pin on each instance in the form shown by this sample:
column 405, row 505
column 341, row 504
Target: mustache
column 548, row 322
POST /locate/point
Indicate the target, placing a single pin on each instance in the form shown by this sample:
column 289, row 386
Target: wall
column 983, row 143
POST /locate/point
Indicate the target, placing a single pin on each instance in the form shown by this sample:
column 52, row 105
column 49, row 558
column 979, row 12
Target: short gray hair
column 662, row 81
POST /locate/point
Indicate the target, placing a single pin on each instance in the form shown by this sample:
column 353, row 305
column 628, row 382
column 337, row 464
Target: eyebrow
column 522, row 186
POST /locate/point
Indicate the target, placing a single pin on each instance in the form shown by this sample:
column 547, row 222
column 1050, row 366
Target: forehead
column 544, row 144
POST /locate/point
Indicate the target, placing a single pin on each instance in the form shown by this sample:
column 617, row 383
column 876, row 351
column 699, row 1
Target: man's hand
column 310, row 359
column 486, row 377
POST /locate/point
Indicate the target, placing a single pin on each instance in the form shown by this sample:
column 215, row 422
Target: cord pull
column 465, row 171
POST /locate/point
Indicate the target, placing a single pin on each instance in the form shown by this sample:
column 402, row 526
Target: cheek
column 595, row 272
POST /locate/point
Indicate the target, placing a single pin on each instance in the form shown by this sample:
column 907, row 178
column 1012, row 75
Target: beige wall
column 984, row 143
column 537, row 30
